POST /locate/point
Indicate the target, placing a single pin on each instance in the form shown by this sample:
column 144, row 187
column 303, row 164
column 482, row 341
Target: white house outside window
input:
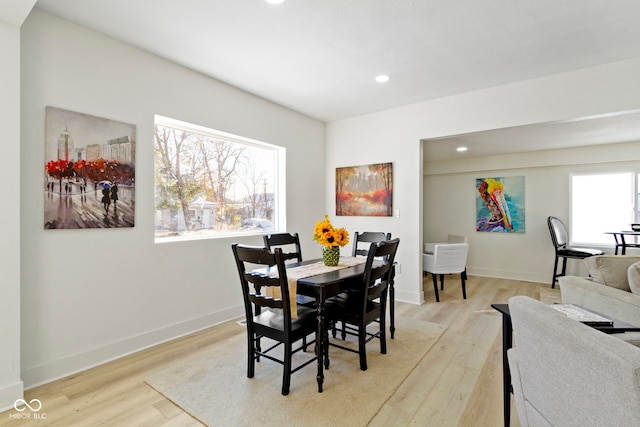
column 210, row 184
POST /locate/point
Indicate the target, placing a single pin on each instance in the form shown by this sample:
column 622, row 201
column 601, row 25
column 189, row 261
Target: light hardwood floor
column 458, row 382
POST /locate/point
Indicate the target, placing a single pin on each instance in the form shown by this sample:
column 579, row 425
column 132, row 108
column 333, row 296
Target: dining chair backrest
column 366, row 239
column 559, row 235
column 253, row 284
column 289, row 243
column 447, row 258
column 378, row 274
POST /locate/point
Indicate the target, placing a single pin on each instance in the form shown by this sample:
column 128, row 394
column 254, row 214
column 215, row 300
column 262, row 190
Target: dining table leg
column 321, row 338
column 392, row 302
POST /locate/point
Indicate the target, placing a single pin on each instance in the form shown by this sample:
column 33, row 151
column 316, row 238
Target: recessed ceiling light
column 275, row 1
column 382, row 78
column 461, row 149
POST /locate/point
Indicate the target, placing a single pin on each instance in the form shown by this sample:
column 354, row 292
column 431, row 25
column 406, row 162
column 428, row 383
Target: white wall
column 10, row 382
column 395, row 135
column 95, row 294
column 449, row 205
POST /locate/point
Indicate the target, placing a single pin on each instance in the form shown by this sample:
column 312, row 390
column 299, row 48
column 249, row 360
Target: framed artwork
column 89, row 171
column 500, row 204
column 364, row 190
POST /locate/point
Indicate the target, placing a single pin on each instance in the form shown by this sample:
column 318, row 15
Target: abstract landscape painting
column 364, row 190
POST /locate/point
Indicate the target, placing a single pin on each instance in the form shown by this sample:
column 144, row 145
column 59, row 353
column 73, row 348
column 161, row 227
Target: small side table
column 507, row 342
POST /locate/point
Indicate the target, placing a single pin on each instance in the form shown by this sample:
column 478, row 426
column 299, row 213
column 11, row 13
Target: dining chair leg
column 442, row 282
column 555, row 273
column 383, row 334
column 251, row 364
column 435, row 286
column 362, row 342
column 286, row 374
column 464, row 289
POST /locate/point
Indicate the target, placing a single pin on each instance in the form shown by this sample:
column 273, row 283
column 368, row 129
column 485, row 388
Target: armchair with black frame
column 560, row 240
column 447, row 258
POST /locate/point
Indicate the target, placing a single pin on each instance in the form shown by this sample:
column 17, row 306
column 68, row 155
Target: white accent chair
column 447, row 258
column 451, row 238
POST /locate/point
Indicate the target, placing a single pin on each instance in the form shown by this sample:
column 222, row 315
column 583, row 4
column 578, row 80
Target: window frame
column 634, row 213
column 279, row 185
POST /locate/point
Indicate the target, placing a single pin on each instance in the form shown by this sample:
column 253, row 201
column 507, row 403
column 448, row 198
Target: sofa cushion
column 611, row 270
column 633, row 276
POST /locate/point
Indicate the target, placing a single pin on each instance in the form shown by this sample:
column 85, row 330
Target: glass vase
column 331, row 255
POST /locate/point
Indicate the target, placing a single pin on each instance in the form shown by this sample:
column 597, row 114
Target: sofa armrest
column 620, row 305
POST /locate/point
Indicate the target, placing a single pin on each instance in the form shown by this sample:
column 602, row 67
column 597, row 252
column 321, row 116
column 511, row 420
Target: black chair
column 367, row 238
column 361, row 244
column 289, row 243
column 270, row 317
column 560, row 239
column 366, row 303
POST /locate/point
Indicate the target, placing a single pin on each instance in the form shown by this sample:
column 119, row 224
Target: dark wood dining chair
column 270, row 317
column 361, row 244
column 288, row 242
column 560, row 240
column 367, row 303
column 290, row 245
column 362, row 241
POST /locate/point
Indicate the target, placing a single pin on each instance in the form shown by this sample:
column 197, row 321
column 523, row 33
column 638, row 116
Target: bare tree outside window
column 209, row 184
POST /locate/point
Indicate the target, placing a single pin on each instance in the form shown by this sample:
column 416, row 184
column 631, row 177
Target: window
column 210, row 184
column 601, row 203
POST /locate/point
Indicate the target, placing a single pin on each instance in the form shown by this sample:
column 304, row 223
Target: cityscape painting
column 89, row 171
column 500, row 204
column 364, row 190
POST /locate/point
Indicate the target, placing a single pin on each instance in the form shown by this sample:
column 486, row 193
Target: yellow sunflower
column 326, row 235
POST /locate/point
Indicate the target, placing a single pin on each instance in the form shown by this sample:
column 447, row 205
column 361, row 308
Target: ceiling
column 320, row 57
column 605, row 129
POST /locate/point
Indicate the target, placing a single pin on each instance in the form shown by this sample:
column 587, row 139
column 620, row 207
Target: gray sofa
column 567, row 374
column 608, row 290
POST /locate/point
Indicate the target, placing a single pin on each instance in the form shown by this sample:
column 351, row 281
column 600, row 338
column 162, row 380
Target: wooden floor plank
column 457, row 383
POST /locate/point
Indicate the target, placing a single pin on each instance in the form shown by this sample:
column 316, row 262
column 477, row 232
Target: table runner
column 308, row 270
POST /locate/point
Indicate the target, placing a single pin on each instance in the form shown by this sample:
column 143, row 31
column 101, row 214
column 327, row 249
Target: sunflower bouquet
column 328, row 236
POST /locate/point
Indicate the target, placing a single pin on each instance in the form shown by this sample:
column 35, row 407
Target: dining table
column 621, row 240
column 312, row 278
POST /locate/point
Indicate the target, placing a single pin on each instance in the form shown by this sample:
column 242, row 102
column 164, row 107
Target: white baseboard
column 512, row 275
column 410, row 297
column 9, row 394
column 38, row 375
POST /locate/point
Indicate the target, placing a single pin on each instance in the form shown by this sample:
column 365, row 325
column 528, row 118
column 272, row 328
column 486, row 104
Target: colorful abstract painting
column 500, row 204
column 89, row 171
column 364, row 190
